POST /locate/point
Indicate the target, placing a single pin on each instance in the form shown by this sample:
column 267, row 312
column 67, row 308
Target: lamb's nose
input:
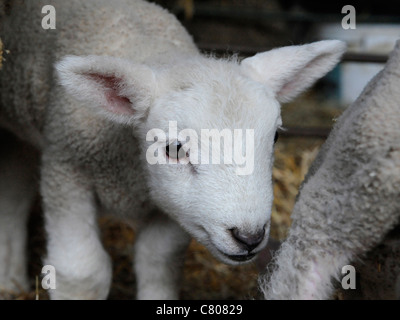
column 248, row 240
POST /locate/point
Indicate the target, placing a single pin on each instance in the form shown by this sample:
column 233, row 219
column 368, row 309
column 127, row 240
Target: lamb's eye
column 276, row 137
column 175, row 151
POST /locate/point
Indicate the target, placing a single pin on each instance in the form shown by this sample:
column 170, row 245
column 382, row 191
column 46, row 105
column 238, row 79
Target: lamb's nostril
column 248, row 240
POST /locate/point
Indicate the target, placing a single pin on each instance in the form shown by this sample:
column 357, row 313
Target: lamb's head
column 222, row 198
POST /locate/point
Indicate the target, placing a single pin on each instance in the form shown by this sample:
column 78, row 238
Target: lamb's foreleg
column 83, row 268
column 18, row 166
column 159, row 256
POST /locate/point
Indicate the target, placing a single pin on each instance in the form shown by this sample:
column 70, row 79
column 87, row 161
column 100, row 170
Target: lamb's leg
column 159, row 257
column 18, row 166
column 83, row 268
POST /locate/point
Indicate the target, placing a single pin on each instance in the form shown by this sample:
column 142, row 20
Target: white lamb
column 127, row 67
column 349, row 203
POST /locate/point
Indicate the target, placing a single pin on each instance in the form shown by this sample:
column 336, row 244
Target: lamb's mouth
column 240, row 257
column 233, row 257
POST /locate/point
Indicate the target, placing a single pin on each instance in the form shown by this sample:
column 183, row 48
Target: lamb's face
column 225, row 203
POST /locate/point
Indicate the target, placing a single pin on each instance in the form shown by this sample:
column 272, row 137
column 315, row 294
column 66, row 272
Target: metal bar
column 365, row 57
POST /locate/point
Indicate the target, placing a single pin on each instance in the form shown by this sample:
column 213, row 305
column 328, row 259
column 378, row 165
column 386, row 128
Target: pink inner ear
column 111, row 87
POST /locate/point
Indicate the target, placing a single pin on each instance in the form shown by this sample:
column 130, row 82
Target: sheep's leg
column 18, row 165
column 159, row 257
column 83, row 268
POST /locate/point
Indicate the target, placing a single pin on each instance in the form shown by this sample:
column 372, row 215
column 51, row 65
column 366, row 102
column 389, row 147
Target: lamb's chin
column 231, row 259
column 234, row 259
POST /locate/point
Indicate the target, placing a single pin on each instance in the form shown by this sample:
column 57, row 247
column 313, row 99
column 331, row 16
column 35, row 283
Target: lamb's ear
column 288, row 71
column 120, row 89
